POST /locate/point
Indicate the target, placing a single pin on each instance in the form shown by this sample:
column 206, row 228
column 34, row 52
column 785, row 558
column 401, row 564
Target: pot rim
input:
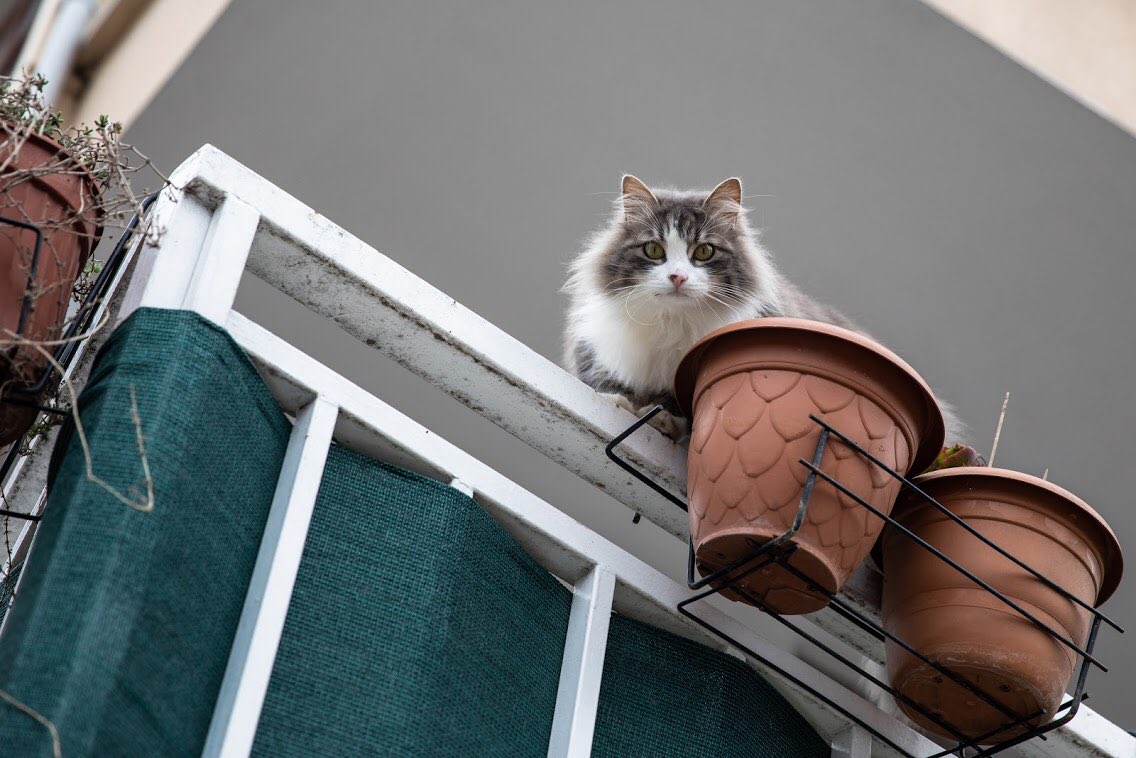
column 686, row 372
column 1112, row 557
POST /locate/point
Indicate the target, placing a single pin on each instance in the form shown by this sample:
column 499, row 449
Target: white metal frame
column 221, row 220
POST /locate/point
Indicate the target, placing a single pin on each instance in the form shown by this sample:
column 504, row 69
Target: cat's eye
column 654, row 251
column 703, row 252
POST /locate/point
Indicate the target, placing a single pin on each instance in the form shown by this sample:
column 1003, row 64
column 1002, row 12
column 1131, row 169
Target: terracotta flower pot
column 952, row 620
column 62, row 202
column 750, row 388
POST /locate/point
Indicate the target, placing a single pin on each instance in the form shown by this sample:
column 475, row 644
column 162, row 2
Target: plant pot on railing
column 971, row 632
column 750, row 389
column 40, row 187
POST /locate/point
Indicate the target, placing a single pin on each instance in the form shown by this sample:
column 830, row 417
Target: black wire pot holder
column 1017, row 727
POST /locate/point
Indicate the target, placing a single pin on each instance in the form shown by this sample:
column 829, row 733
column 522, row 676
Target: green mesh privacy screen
column 120, row 631
column 417, row 626
column 663, row 695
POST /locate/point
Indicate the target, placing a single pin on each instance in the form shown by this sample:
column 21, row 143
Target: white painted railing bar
column 253, row 654
column 224, row 252
column 164, row 268
column 1088, row 735
column 853, row 742
column 578, row 696
column 462, row 487
column 562, row 545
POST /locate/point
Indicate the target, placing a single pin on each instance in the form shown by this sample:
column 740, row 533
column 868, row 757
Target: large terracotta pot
column 952, row 620
column 750, row 388
column 62, row 202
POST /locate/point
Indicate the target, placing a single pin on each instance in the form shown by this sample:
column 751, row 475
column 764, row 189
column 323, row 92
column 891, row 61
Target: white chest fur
column 642, row 349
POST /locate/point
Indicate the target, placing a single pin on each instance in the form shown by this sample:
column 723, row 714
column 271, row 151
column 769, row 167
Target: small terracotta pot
column 62, row 201
column 969, row 631
column 750, row 388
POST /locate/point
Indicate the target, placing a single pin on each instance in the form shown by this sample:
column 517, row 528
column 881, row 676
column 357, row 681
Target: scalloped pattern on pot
column 750, row 431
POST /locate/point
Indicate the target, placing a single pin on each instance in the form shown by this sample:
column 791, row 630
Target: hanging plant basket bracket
column 779, row 549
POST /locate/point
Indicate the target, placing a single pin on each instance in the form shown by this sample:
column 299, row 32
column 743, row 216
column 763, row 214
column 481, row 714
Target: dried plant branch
column 56, row 745
column 145, row 504
column 998, row 431
column 93, row 150
column 8, row 552
column 15, row 340
column 140, row 438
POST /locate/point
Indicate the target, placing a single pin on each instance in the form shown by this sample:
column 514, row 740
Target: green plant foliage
column 955, row 457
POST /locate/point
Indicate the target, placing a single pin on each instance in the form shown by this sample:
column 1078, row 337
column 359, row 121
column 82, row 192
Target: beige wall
column 126, row 73
column 1085, row 47
column 129, row 50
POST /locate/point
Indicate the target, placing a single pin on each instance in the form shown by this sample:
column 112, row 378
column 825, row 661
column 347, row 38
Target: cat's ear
column 636, row 195
column 726, row 198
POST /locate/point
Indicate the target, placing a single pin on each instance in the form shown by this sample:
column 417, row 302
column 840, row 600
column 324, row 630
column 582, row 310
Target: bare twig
column 56, row 745
column 140, row 438
column 8, row 552
column 145, row 505
column 92, row 151
column 15, row 339
column 998, row 431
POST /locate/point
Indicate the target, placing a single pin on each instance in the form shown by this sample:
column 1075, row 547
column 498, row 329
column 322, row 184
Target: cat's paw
column 670, row 425
column 622, row 401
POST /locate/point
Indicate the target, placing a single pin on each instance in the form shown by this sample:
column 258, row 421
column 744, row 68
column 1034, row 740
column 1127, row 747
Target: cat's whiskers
column 732, row 292
column 732, row 308
column 636, row 289
column 610, row 286
column 702, row 306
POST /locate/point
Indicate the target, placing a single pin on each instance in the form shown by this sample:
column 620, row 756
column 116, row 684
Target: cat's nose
column 677, row 280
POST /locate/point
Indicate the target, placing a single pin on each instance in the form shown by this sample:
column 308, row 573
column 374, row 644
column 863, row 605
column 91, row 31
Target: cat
column 670, row 267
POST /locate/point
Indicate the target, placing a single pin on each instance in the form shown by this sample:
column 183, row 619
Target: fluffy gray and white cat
column 670, row 267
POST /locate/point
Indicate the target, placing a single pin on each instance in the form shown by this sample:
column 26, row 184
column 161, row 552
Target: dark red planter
column 41, row 187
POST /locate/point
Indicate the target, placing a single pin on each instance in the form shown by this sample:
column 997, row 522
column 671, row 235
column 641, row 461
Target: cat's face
column 678, row 251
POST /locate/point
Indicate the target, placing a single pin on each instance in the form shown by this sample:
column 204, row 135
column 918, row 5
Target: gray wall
column 968, row 214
